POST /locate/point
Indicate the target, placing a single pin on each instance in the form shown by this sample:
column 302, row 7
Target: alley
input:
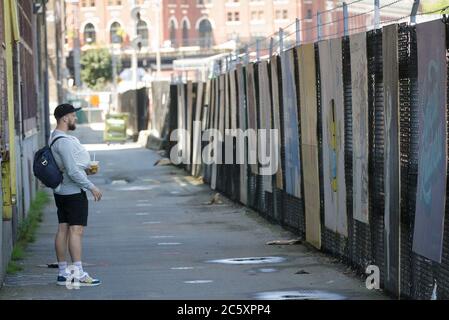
column 154, row 235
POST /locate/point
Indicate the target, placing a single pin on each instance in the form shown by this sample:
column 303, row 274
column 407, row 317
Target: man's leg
column 75, row 242
column 61, row 249
column 75, row 248
column 61, row 242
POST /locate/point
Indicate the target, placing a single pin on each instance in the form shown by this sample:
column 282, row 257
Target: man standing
column 70, row 196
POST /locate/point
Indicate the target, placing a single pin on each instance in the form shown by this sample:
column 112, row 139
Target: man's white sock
column 79, row 265
column 62, row 266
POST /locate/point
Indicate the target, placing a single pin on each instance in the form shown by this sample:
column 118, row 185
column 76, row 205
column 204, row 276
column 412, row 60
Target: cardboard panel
column 359, row 78
column 251, row 115
column 309, row 129
column 242, row 123
column 196, row 156
column 291, row 135
column 432, row 148
column 265, row 120
column 276, row 114
column 332, row 104
column 392, row 178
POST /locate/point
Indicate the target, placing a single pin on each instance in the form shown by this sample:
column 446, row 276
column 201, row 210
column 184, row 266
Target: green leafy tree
column 434, row 5
column 96, row 68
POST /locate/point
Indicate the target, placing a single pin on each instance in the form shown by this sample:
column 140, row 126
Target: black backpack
column 45, row 167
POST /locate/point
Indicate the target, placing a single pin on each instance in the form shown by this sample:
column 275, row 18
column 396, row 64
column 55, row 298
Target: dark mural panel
column 432, row 152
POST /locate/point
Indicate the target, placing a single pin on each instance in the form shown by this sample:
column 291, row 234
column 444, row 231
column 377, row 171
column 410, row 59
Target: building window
column 114, row 2
column 284, row 14
column 83, row 3
column 253, row 15
column 205, row 34
column 309, row 14
column 116, row 33
column 233, row 16
column 200, row 2
column 185, row 34
column 142, row 31
column 260, row 15
column 173, row 33
column 278, row 14
column 89, row 33
column 92, row 3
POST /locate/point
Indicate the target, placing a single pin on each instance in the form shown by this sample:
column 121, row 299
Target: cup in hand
column 93, row 166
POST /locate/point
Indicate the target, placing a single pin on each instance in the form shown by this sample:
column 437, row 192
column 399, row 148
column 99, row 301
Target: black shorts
column 72, row 209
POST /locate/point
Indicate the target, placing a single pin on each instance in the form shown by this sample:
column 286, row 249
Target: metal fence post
column 257, row 50
column 281, row 40
column 271, row 46
column 345, row 19
column 414, row 11
column 246, row 55
column 376, row 14
column 298, row 35
column 318, row 22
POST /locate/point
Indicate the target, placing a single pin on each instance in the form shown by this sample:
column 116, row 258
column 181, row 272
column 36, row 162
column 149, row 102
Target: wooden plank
column 251, row 116
column 392, row 178
column 332, row 104
column 181, row 120
column 359, row 78
column 229, row 150
column 432, row 147
column 189, row 114
column 309, row 145
column 291, row 135
column 242, row 123
column 215, row 126
column 206, row 106
column 276, row 114
column 233, row 99
column 265, row 123
column 196, row 163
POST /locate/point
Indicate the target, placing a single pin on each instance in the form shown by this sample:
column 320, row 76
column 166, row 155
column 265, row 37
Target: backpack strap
column 56, row 139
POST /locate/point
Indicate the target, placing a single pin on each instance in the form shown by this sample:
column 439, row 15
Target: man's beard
column 72, row 126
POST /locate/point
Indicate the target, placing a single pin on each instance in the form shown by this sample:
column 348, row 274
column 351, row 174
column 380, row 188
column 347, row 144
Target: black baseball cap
column 64, row 109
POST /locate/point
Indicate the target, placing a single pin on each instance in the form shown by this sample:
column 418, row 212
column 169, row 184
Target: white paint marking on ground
column 144, row 205
column 161, row 237
column 151, row 222
column 182, row 268
column 198, row 281
column 135, row 188
column 141, row 213
column 169, row 243
column 249, row 260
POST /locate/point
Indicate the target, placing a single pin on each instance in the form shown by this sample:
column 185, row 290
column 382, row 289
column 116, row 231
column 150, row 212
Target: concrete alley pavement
column 154, row 235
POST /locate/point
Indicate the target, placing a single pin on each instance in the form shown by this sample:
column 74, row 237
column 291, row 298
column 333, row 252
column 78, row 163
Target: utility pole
column 76, row 44
column 157, row 4
column 135, row 15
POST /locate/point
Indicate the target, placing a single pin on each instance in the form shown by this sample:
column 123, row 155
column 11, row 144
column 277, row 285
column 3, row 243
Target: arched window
column 205, row 34
column 89, row 33
column 172, row 33
column 185, row 34
column 116, row 33
column 142, row 31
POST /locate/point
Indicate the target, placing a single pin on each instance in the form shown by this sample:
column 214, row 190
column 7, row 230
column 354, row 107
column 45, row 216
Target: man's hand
column 96, row 193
